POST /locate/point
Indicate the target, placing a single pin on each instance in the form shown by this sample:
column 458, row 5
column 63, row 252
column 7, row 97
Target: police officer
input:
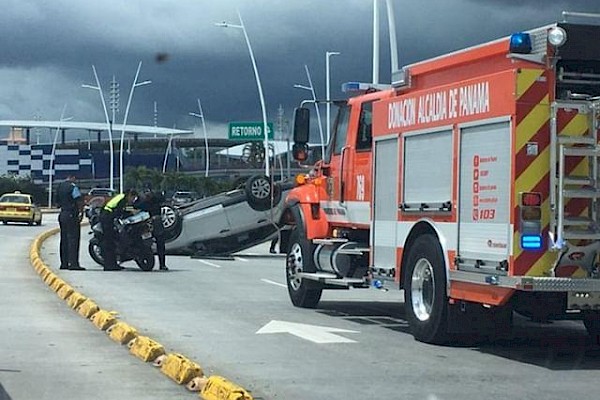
column 152, row 202
column 70, row 202
column 113, row 209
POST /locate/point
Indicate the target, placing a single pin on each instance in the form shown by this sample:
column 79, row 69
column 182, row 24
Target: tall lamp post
column 327, row 88
column 51, row 169
column 312, row 90
column 133, row 86
column 260, row 92
column 108, row 124
column 201, row 116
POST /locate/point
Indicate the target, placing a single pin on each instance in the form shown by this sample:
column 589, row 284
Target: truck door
column 350, row 163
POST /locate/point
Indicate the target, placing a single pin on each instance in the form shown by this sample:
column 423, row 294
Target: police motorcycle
column 134, row 238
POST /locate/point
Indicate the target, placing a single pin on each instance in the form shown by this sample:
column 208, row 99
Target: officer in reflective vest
column 112, row 210
column 70, row 202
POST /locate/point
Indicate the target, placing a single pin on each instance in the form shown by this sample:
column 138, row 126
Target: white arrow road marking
column 273, row 283
column 314, row 333
column 210, row 264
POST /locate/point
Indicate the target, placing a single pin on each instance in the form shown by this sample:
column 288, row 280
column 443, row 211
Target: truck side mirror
column 300, row 151
column 301, row 125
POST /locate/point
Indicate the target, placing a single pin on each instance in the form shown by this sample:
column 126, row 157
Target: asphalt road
column 234, row 318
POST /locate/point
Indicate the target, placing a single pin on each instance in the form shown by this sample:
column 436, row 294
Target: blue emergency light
column 520, row 42
column 531, row 242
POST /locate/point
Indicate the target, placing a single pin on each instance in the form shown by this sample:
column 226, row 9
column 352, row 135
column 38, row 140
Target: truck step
column 581, row 234
column 577, row 221
column 592, row 151
column 330, row 241
column 354, row 252
column 578, row 180
column 573, row 139
column 583, row 193
column 331, row 279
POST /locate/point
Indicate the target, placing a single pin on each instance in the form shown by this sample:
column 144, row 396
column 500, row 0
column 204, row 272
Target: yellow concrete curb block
column 103, row 319
column 88, row 308
column 121, row 332
column 50, row 278
column 180, row 369
column 219, row 388
column 146, row 349
column 44, row 273
column 57, row 284
column 75, row 300
column 65, row 291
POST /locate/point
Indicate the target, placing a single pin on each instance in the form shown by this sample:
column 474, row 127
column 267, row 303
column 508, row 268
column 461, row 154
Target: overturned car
column 227, row 222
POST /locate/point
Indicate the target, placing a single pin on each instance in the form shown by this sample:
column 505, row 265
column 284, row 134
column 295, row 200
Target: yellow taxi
column 19, row 207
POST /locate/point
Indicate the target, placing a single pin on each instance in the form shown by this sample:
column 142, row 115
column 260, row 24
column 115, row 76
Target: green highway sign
column 249, row 131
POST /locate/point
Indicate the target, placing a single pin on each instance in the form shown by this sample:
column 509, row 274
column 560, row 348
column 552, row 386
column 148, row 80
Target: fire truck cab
column 472, row 182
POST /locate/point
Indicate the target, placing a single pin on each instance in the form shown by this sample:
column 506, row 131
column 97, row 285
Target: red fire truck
column 472, row 182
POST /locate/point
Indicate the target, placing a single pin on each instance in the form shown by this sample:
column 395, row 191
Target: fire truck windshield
column 340, row 131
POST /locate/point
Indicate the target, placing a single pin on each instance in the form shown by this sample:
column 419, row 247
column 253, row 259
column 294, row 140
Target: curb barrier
column 180, row 368
column 121, row 332
column 196, row 384
column 75, row 300
column 146, row 349
column 177, row 367
column 219, row 388
column 88, row 308
column 57, row 284
column 50, row 278
column 103, row 319
column 65, row 291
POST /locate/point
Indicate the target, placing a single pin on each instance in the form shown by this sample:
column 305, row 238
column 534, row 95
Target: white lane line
column 273, row 283
column 210, row 264
column 242, row 259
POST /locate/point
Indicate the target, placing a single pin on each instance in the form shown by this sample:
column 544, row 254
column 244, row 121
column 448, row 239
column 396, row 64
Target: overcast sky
column 47, row 48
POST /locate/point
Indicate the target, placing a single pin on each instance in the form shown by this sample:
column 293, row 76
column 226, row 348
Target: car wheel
column 39, row 221
column 425, row 299
column 303, row 293
column 172, row 222
column 258, row 191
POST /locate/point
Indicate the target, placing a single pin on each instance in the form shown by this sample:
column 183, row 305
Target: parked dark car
column 97, row 197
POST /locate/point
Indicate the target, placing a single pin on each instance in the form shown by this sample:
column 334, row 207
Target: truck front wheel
column 425, row 299
column 303, row 292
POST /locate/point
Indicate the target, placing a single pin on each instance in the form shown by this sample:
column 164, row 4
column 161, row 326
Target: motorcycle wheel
column 95, row 251
column 145, row 259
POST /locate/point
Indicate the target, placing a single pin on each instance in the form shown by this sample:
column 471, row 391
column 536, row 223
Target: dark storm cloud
column 48, row 47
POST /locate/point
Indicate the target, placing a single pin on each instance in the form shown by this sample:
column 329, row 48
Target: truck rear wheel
column 425, row 299
column 303, row 293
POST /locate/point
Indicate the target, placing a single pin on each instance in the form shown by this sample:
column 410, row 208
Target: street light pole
column 51, row 169
column 133, row 86
column 201, row 115
column 312, row 90
column 108, row 124
column 327, row 55
column 260, row 92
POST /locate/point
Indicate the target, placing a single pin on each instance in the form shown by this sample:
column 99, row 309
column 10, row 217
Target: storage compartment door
column 385, row 204
column 484, row 237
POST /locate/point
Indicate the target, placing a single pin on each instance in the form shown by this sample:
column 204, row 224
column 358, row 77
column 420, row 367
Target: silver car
column 227, row 222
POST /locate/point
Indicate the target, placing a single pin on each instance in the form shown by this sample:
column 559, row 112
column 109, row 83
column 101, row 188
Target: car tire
column 258, row 195
column 425, row 298
column 172, row 222
column 258, row 189
column 303, row 292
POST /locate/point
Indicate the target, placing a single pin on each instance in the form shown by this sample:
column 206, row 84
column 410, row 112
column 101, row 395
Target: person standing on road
column 152, row 202
column 70, row 202
column 113, row 209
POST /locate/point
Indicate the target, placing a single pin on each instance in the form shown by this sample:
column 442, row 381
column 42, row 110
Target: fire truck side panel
column 385, row 203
